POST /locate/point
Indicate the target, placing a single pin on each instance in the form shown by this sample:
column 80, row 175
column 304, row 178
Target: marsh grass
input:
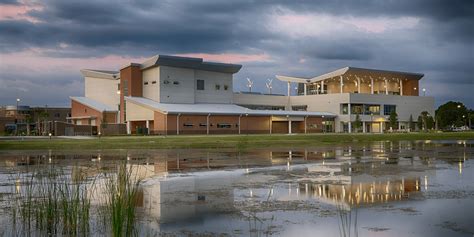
column 121, row 197
column 54, row 202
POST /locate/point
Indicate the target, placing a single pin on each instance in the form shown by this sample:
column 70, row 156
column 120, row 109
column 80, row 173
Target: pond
column 406, row 188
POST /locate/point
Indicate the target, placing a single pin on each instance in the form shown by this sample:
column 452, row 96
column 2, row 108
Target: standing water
column 422, row 188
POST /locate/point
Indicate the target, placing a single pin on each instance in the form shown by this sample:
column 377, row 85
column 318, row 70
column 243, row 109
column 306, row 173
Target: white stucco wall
column 253, row 99
column 172, row 93
column 151, row 91
column 210, row 94
column 138, row 113
column 102, row 90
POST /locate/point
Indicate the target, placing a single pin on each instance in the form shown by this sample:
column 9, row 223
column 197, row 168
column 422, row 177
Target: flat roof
column 216, row 109
column 356, row 72
column 103, row 74
column 94, row 104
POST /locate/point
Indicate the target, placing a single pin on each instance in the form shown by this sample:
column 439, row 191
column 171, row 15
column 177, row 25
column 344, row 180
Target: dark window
column 176, row 83
column 188, row 124
column 356, row 109
column 201, row 198
column 125, row 88
column 57, row 115
column 146, row 83
column 202, row 125
column 224, row 125
column 299, row 108
column 344, row 108
column 226, row 87
column 200, row 85
column 166, row 82
column 218, row 87
column 387, row 109
column 153, row 82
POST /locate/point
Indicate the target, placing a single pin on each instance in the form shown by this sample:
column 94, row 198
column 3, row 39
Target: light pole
column 16, row 115
column 424, row 91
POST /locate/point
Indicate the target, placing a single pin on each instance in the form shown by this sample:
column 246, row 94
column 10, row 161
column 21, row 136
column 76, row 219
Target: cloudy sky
column 44, row 43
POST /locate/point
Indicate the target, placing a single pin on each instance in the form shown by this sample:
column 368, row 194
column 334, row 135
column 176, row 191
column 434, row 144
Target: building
column 26, row 120
column 348, row 92
column 182, row 95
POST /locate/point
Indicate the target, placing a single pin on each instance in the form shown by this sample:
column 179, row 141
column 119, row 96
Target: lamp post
column 424, row 91
column 16, row 115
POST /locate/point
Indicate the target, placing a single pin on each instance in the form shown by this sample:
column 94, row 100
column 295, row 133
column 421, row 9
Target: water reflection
column 256, row 189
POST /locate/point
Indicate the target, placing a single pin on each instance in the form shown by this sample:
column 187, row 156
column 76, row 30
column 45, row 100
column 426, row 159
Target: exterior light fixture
column 50, row 136
column 459, row 106
column 118, row 92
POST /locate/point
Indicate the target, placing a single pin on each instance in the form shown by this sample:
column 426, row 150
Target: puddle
column 422, row 188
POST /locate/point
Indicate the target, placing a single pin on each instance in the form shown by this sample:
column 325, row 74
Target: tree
column 393, row 119
column 357, row 123
column 429, row 122
column 28, row 120
column 450, row 114
column 425, row 121
column 411, row 124
column 419, row 123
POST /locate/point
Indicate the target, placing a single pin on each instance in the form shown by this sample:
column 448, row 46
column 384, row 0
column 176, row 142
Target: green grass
column 220, row 141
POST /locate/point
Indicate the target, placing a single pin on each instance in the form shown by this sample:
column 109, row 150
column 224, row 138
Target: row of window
column 200, row 86
column 367, row 109
column 219, row 125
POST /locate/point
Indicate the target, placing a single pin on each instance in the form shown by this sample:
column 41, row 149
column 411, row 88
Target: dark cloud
column 440, row 45
column 9, row 2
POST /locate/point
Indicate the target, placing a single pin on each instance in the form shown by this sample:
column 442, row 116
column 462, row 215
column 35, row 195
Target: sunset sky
column 44, row 44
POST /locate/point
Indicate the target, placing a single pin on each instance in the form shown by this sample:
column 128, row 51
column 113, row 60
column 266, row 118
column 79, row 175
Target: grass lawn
column 220, row 141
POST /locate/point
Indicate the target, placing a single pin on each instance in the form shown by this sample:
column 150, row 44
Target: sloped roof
column 355, row 71
column 103, row 74
column 188, row 62
column 216, row 109
column 91, row 103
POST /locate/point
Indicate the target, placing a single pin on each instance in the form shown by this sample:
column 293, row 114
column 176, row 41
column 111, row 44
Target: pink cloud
column 229, row 57
column 19, row 12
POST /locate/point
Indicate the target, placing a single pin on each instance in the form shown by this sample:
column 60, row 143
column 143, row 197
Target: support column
column 364, row 130
column 177, row 124
column 207, row 124
column 386, row 86
column 401, row 86
column 239, row 122
column 148, row 127
column 350, row 118
column 305, row 124
column 322, row 87
column 305, row 88
column 289, row 89
column 358, row 85
column 270, row 124
column 289, row 126
column 399, row 125
column 350, row 126
column 129, row 131
column 341, row 82
column 381, row 127
column 371, row 85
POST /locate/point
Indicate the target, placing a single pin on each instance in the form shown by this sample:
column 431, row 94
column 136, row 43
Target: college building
column 181, row 95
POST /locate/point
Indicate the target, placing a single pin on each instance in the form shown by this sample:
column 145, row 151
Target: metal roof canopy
column 221, row 109
column 103, row 74
column 356, row 72
column 188, row 62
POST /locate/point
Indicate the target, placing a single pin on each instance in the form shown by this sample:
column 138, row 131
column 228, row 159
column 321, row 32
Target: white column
column 305, row 88
column 350, row 117
column 381, row 127
column 371, row 85
column 322, row 87
column 358, row 85
column 289, row 126
column 207, row 124
column 401, row 86
column 177, row 124
column 148, row 127
column 386, row 86
column 129, row 131
column 341, row 82
column 305, row 124
column 271, row 118
column 399, row 125
column 363, row 127
column 239, row 122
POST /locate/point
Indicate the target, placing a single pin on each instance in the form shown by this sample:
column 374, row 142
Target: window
column 188, row 125
column 153, row 82
column 118, row 87
column 146, row 83
column 344, row 108
column 57, row 115
column 226, row 87
column 166, row 82
column 125, row 88
column 224, row 125
column 176, row 83
column 200, row 85
column 299, row 108
column 372, row 109
column 357, row 108
column 202, row 125
column 218, row 87
column 387, row 109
